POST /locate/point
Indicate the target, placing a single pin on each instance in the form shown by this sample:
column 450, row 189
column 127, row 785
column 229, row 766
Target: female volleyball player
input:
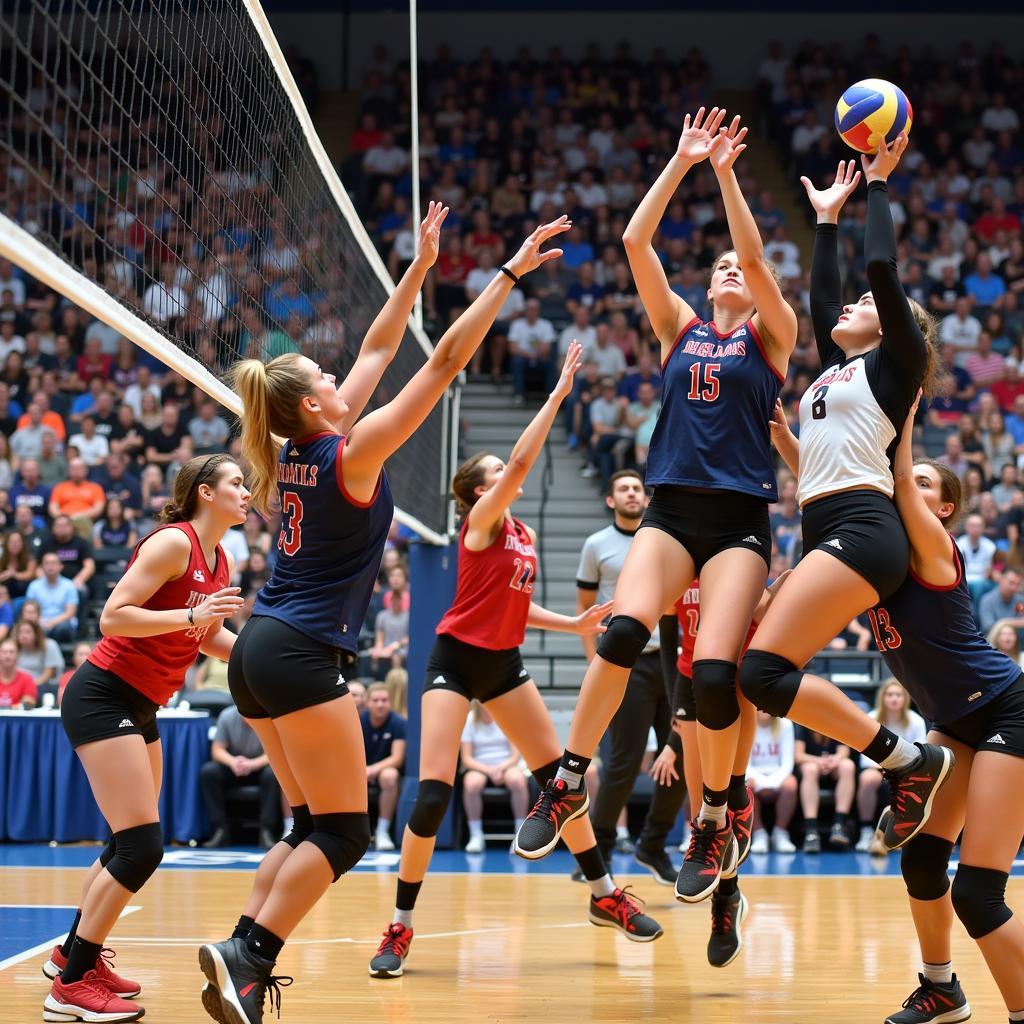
column 476, row 655
column 874, row 356
column 169, row 605
column 712, row 469
column 974, row 695
column 284, row 672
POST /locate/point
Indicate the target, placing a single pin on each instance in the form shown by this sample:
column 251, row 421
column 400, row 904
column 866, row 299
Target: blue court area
column 25, row 928
column 496, row 861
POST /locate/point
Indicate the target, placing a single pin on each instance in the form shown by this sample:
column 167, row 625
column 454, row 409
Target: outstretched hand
column 829, row 201
column 695, row 141
column 591, row 622
column 727, row 145
column 529, row 256
column 883, row 163
column 573, row 361
column 429, row 240
column 778, row 425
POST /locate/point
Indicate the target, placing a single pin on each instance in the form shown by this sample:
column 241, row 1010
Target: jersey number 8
column 818, row 405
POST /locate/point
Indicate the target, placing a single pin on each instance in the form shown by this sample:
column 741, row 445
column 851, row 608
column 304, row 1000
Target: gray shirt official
column 237, row 736
column 601, row 561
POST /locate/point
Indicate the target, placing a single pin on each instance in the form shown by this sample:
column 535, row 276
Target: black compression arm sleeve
column 826, row 290
column 902, row 341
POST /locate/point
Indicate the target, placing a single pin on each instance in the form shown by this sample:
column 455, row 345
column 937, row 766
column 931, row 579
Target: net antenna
column 160, row 169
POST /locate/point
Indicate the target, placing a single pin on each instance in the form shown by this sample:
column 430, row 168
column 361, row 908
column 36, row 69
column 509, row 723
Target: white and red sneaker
column 119, row 986
column 88, row 1000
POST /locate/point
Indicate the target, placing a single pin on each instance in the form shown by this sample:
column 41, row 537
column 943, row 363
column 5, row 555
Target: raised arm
column 667, row 312
column 490, row 509
column 775, row 316
column 162, row 558
column 375, row 438
column 826, row 284
column 387, row 330
column 931, row 548
column 902, row 340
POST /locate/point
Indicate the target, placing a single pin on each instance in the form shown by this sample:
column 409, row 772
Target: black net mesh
column 152, row 145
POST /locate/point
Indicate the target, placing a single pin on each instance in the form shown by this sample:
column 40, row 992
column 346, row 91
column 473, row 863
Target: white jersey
column 844, row 434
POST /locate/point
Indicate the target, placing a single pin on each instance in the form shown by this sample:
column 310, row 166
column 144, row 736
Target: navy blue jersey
column 931, row 643
column 717, row 395
column 330, row 545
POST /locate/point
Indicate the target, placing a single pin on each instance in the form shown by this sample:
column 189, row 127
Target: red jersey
column 156, row 665
column 688, row 611
column 494, row 590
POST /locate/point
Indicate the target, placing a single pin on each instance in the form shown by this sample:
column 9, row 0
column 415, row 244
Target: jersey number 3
column 887, row 638
column 704, row 383
column 290, row 539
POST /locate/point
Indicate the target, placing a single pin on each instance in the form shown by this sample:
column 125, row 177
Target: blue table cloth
column 44, row 793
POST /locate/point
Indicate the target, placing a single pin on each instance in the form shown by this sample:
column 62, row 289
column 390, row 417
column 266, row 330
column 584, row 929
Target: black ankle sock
column 810, row 826
column 592, row 864
column 264, row 943
column 881, row 746
column 575, row 764
column 729, row 886
column 243, row 927
column 841, row 818
column 715, row 797
column 65, row 946
column 738, row 796
column 867, row 823
column 405, row 898
column 81, row 959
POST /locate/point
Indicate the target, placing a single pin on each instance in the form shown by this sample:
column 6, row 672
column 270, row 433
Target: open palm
column 430, row 232
column 695, row 142
column 829, row 201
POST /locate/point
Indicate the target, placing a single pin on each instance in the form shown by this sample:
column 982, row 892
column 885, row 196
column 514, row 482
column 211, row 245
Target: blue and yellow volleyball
column 870, row 111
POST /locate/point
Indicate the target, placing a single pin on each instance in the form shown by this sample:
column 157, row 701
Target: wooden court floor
column 519, row 949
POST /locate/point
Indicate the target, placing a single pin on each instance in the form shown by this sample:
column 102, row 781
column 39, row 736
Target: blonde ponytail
column 270, row 395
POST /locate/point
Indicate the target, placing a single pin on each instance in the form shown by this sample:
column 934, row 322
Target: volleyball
column 871, row 110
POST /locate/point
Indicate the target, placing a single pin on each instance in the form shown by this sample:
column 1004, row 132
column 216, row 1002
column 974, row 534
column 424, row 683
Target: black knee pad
column 302, row 826
column 341, row 838
column 714, row 691
column 769, row 682
column 624, row 641
column 545, row 773
column 924, row 862
column 108, row 852
column 432, row 799
column 979, row 899
column 137, row 854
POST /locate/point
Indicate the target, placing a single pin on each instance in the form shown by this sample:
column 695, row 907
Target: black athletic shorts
column 997, row 726
column 474, row 672
column 684, row 704
column 862, row 529
column 97, row 705
column 275, row 669
column 709, row 522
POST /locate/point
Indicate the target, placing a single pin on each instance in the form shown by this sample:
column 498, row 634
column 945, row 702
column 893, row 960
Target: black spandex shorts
column 997, row 726
column 97, row 705
column 274, row 669
column 684, row 704
column 863, row 530
column 709, row 522
column 473, row 672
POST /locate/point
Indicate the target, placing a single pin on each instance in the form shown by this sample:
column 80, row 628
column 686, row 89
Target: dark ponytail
column 468, row 477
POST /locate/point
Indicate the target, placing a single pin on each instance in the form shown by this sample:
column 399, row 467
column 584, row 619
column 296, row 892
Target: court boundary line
column 17, row 958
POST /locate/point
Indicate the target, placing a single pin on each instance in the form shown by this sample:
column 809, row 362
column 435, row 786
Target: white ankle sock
column 903, row 753
column 476, row 828
column 1016, row 1015
column 402, row 917
column 941, row 974
column 621, row 832
column 383, row 826
column 603, row 886
column 709, row 812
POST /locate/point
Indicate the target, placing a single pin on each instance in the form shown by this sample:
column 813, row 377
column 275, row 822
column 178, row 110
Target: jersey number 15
column 704, row 383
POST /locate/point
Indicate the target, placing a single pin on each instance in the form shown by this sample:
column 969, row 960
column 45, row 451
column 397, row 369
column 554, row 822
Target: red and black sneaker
column 711, row 854
column 933, row 1003
column 556, row 807
column 913, row 792
column 119, row 986
column 392, row 951
column 88, row 1000
column 727, row 915
column 742, row 822
column 241, row 980
column 624, row 911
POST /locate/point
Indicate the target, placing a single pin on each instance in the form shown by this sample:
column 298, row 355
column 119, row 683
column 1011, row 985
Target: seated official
column 384, row 739
column 237, row 759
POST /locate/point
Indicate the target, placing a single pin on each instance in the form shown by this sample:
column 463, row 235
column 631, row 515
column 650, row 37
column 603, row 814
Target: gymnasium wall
column 735, row 54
